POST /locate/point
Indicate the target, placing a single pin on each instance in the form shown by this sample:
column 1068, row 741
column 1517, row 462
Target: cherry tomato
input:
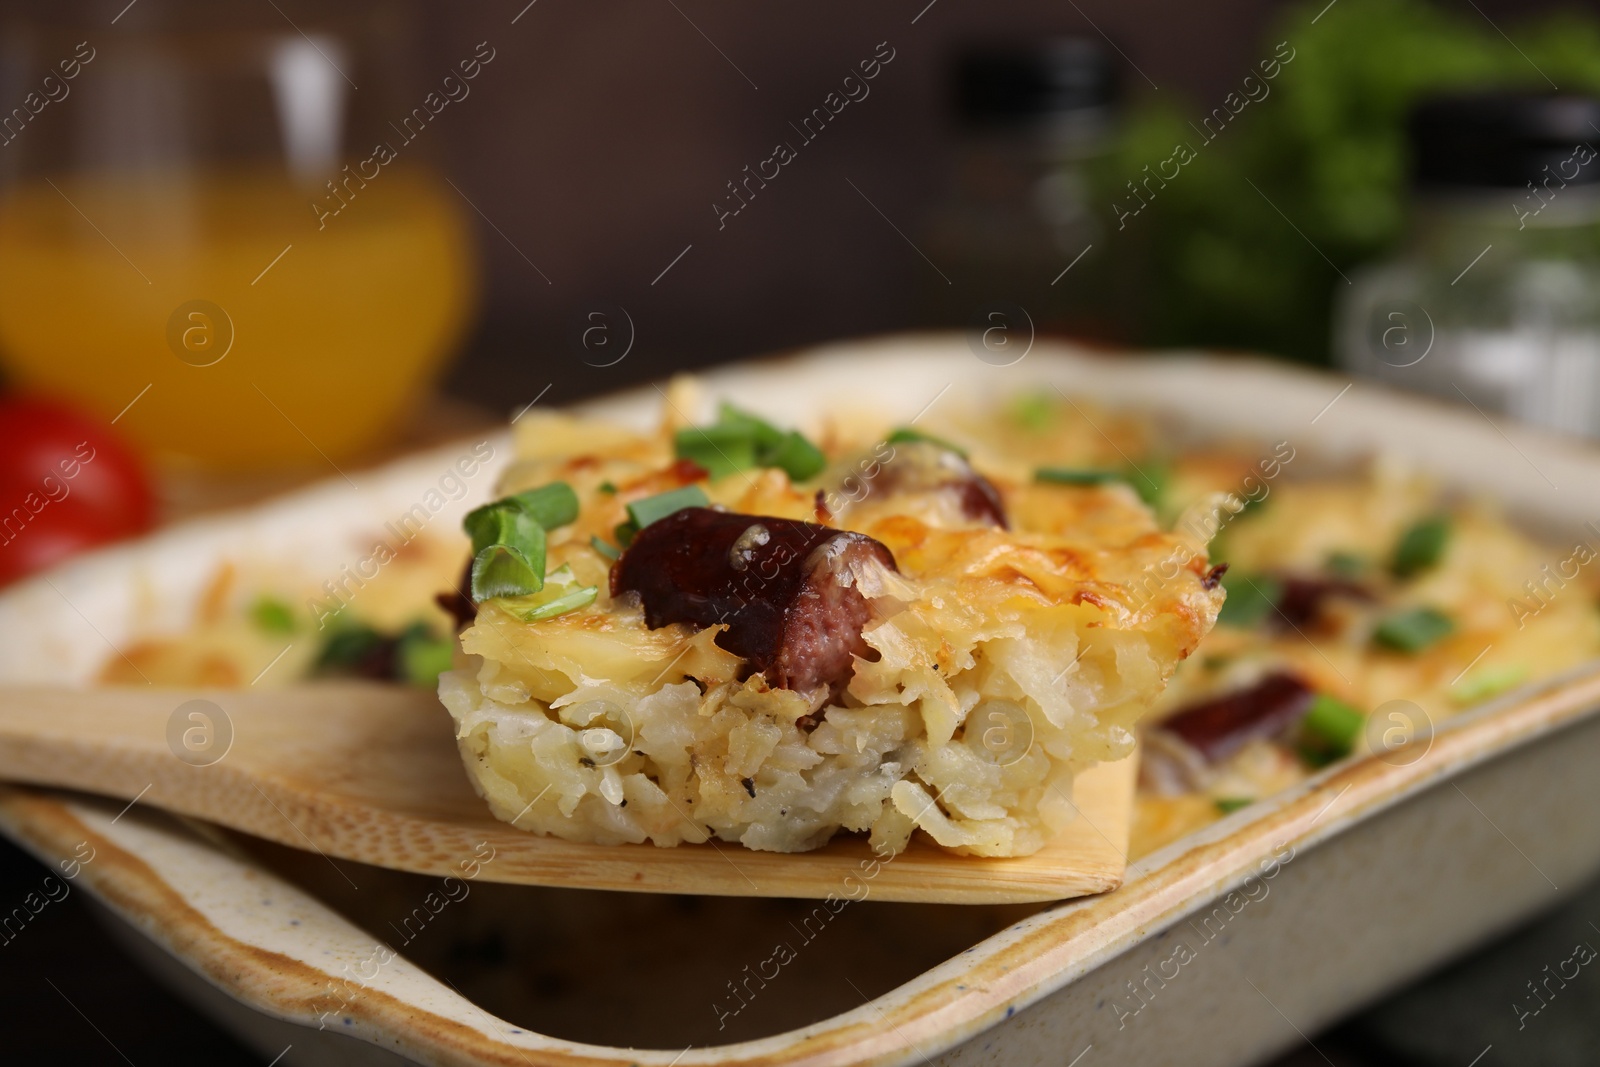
column 67, row 483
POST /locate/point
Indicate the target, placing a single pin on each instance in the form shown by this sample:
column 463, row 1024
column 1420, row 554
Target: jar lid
column 1023, row 85
column 1504, row 140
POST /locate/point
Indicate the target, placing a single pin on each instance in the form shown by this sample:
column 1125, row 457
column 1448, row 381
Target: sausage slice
column 787, row 590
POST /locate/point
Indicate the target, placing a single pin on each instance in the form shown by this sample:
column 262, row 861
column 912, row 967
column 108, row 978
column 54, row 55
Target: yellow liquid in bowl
column 266, row 339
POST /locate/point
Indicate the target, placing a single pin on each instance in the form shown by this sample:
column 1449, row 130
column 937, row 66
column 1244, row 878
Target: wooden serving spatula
column 371, row 773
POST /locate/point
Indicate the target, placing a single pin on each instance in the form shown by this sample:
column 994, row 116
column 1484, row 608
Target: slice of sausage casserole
column 731, row 631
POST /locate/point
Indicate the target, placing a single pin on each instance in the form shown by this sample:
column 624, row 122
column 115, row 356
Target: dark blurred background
column 592, row 161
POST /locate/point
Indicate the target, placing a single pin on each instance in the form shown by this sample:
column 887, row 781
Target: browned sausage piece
column 925, row 467
column 786, row 589
column 1220, row 726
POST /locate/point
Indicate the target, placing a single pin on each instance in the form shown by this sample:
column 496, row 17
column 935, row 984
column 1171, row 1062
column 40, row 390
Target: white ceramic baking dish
column 1221, row 948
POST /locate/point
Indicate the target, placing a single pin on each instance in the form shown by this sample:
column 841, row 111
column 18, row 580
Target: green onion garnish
column 1486, row 682
column 272, row 615
column 560, row 595
column 1345, row 564
column 508, row 539
column 346, row 647
column 605, row 548
column 1251, row 599
column 906, row 434
column 738, row 441
column 1329, row 730
column 1413, row 630
column 1421, row 546
column 609, row 488
column 420, row 656
column 1077, row 476
column 655, row 508
column 1229, row 805
column 1034, row 411
column 500, row 570
column 721, row 450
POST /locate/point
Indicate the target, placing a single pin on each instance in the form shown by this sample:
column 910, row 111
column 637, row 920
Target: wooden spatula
column 371, row 773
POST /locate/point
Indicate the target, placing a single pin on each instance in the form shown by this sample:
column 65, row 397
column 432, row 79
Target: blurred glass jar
column 1495, row 297
column 188, row 203
column 1016, row 210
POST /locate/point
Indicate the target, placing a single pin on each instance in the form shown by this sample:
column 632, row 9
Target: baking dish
column 1220, row 948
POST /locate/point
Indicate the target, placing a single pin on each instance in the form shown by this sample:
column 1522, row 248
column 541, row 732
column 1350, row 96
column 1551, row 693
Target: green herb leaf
column 1413, row 630
column 1487, row 682
column 420, row 656
column 1421, row 546
column 1034, row 411
column 655, row 508
column 795, row 456
column 1251, row 599
column 569, row 601
column 1330, row 728
column 739, row 441
column 551, row 506
column 501, row 570
column 763, row 433
column 1077, row 476
column 346, row 647
column 273, row 615
column 1346, row 564
column 907, row 433
column 1229, row 805
column 721, row 450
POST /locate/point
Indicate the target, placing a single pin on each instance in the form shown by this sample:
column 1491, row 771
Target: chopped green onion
column 1345, row 564
column 1413, row 630
column 1329, row 730
column 551, row 506
column 420, row 656
column 501, row 570
column 561, row 605
column 1076, row 476
column 721, row 450
column 795, row 456
column 655, row 508
column 346, row 647
column 1251, row 599
column 906, row 433
column 273, row 615
column 1487, row 682
column 1034, row 411
column 502, row 524
column 608, row 487
column 605, row 548
column 1150, row 484
column 739, row 441
column 1421, row 546
column 560, row 595
column 508, row 539
column 759, row 430
column 1229, row 805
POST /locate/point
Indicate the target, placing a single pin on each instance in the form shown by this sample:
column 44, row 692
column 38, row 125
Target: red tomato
column 67, row 483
